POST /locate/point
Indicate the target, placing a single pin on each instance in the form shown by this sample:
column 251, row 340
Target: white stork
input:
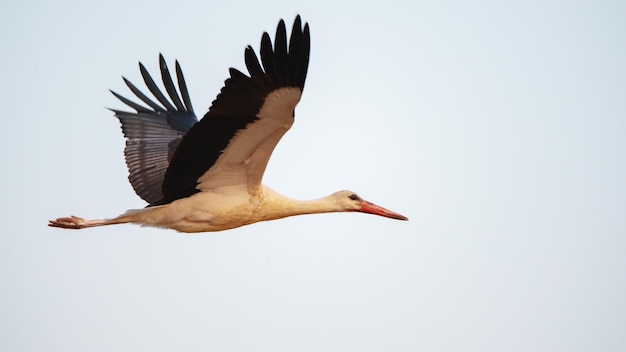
column 205, row 175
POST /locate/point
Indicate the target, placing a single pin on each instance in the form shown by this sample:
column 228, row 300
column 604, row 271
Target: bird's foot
column 72, row 222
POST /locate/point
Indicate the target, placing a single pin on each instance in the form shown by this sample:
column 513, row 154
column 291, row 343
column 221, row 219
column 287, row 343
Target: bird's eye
column 354, row 197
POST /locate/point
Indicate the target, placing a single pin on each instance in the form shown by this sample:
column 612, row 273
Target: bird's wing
column 232, row 144
column 154, row 132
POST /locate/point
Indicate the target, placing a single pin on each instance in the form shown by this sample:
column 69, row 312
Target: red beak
column 371, row 208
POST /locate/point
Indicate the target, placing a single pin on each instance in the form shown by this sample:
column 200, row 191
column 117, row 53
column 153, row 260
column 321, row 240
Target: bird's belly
column 211, row 212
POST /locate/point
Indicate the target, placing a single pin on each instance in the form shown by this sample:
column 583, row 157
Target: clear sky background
column 497, row 127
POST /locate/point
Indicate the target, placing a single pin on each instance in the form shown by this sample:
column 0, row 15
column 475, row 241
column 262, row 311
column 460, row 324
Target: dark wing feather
column 153, row 134
column 280, row 52
column 169, row 84
column 183, row 89
column 141, row 96
column 237, row 106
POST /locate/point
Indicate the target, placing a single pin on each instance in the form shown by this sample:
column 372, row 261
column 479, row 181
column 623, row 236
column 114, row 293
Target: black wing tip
column 298, row 51
column 281, row 26
column 283, row 63
column 142, row 68
column 297, row 24
column 174, row 94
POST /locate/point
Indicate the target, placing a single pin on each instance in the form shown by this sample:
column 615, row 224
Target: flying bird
column 200, row 176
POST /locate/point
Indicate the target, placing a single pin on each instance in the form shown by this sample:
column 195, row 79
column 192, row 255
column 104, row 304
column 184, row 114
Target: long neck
column 276, row 206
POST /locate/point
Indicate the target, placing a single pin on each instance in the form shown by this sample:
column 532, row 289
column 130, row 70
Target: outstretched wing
column 232, row 144
column 154, row 132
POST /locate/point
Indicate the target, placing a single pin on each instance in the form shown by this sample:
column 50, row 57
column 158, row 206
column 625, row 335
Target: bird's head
column 350, row 201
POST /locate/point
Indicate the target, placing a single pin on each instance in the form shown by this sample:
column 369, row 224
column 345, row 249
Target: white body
column 222, row 209
column 230, row 193
column 227, row 208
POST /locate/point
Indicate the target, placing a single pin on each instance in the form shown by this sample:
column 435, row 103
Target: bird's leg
column 75, row 222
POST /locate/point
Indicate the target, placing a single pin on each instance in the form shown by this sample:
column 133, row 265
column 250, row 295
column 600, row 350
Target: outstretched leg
column 75, row 222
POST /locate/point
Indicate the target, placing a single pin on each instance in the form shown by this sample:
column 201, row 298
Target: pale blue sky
column 497, row 128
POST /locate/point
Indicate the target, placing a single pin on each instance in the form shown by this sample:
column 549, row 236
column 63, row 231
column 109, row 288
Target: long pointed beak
column 371, row 208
